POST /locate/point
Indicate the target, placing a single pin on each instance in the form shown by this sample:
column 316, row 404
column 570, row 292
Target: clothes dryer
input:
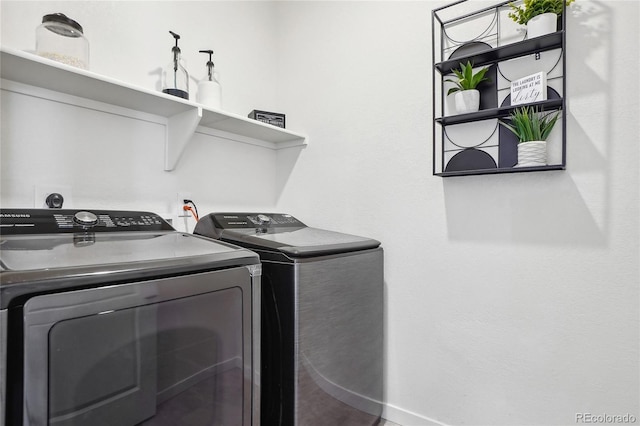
column 115, row 318
column 322, row 318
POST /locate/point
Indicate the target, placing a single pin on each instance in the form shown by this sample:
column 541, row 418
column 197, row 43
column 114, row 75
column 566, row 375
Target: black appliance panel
column 55, row 221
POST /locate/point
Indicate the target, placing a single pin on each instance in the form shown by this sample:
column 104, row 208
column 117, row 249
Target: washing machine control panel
column 53, row 221
column 253, row 220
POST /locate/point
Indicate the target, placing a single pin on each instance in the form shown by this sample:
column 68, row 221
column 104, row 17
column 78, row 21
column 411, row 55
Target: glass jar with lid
column 62, row 39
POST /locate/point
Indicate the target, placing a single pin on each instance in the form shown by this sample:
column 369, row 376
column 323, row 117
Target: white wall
column 111, row 160
column 511, row 299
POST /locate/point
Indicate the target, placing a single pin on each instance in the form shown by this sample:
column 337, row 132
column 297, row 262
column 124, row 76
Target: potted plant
column 467, row 97
column 540, row 16
column 532, row 129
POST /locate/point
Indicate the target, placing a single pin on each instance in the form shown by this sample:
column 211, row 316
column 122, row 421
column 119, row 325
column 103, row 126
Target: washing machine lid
column 73, row 251
column 279, row 232
column 39, row 252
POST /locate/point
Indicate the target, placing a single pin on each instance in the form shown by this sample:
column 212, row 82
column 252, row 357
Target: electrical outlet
column 41, row 192
column 181, row 196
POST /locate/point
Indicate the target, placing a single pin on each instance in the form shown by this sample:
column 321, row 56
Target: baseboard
column 404, row 417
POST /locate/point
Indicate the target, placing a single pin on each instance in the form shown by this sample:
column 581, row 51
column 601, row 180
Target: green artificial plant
column 530, row 8
column 467, row 80
column 530, row 125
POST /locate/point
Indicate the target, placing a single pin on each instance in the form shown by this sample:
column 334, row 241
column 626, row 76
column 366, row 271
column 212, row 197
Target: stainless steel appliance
column 322, row 318
column 115, row 318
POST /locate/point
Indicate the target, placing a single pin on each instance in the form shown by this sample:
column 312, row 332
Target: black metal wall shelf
column 500, row 112
column 472, row 172
column 504, row 53
column 474, row 143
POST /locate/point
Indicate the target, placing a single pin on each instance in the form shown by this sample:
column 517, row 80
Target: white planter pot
column 531, row 154
column 467, row 101
column 540, row 25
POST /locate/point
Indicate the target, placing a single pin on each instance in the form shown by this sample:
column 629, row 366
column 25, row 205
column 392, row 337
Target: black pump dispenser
column 175, row 76
column 209, row 64
column 176, row 51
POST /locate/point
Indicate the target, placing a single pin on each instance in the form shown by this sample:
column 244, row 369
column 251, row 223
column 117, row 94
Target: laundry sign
column 532, row 88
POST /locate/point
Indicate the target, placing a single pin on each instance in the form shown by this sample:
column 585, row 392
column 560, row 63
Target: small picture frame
column 529, row 89
column 273, row 118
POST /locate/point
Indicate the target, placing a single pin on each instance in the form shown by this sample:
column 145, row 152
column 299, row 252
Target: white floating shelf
column 183, row 117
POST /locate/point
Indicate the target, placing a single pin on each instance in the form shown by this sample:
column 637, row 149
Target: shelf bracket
column 180, row 129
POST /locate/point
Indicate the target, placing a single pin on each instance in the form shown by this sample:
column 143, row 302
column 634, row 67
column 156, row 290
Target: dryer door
column 168, row 351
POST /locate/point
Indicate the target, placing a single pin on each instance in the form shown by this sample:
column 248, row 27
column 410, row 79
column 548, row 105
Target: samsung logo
column 14, row 215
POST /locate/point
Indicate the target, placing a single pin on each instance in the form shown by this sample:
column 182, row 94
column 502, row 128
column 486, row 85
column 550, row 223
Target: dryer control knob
column 85, row 218
column 263, row 219
column 262, row 223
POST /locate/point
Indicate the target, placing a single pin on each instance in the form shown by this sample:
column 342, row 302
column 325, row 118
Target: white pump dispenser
column 209, row 90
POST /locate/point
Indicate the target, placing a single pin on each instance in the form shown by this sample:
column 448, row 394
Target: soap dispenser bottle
column 175, row 76
column 209, row 90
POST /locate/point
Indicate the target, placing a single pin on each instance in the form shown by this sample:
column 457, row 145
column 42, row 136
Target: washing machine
column 322, row 318
column 114, row 318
